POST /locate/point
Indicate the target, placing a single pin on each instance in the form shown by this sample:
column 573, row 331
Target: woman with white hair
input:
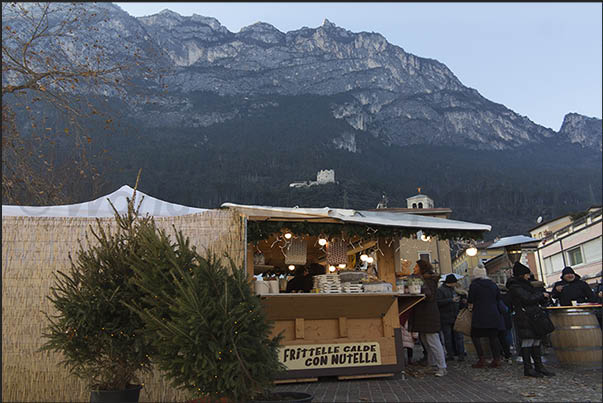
column 486, row 320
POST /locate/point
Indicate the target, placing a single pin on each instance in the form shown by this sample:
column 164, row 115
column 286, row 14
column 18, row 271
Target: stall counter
column 345, row 335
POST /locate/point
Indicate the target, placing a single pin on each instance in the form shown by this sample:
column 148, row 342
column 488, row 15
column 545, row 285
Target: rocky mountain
column 395, row 96
column 241, row 115
column 582, row 130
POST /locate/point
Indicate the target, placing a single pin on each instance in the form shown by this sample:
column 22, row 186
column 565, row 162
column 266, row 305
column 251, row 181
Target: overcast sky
column 541, row 60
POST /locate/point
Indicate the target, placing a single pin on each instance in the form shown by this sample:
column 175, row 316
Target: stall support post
column 343, row 326
column 250, row 266
column 299, row 328
column 386, row 262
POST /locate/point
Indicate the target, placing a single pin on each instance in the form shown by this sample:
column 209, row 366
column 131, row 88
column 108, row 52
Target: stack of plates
column 328, row 283
column 377, row 287
column 352, row 288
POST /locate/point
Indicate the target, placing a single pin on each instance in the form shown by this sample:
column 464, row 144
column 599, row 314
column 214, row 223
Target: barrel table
column 577, row 335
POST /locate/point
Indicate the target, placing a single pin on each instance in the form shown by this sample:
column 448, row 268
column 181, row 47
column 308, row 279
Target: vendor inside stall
column 301, row 282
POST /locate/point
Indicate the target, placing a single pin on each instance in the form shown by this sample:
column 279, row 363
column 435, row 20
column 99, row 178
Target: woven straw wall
column 35, row 247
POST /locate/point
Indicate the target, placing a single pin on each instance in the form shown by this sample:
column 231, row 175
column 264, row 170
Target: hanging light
column 342, row 265
column 471, row 251
column 288, row 235
column 291, row 267
column 322, row 241
column 332, row 268
column 364, row 257
column 370, row 259
column 425, row 238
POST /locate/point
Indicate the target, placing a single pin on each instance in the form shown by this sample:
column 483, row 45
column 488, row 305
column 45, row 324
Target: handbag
column 462, row 324
column 539, row 321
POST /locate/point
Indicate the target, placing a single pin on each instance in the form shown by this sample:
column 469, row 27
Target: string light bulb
column 322, row 241
column 332, row 268
column 370, row 259
column 342, row 265
column 291, row 267
column 288, row 235
column 364, row 257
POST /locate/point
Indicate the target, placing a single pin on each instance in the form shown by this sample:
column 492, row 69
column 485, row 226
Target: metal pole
column 562, row 254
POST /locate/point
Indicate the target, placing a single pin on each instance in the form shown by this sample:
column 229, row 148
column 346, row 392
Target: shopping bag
column 539, row 320
column 462, row 324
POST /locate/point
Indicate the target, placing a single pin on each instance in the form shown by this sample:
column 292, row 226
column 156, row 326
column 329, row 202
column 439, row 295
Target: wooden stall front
column 344, row 335
column 339, row 332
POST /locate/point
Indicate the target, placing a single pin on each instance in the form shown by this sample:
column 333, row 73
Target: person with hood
column 486, row 320
column 426, row 318
column 598, row 291
column 571, row 288
column 448, row 304
column 524, row 298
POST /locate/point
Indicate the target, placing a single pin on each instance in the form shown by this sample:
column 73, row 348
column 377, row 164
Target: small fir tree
column 101, row 340
column 209, row 332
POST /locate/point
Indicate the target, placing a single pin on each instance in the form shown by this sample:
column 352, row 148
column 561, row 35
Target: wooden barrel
column 577, row 336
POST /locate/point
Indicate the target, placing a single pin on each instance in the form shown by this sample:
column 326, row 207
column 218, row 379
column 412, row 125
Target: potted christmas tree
column 101, row 340
column 209, row 332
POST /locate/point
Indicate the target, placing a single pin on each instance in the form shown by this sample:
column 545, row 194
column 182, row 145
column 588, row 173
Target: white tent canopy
column 515, row 240
column 101, row 208
column 385, row 218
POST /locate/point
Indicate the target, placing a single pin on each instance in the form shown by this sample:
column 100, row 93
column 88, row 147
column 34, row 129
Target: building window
column 420, row 204
column 426, row 256
column 553, row 263
column 414, row 205
column 592, row 250
column 575, row 256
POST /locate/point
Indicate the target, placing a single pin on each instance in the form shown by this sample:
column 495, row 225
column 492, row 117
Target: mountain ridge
column 395, row 80
column 236, row 117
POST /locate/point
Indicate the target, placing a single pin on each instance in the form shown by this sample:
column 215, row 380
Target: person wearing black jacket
column 302, row 282
column 426, row 318
column 486, row 319
column 448, row 304
column 571, row 288
column 525, row 297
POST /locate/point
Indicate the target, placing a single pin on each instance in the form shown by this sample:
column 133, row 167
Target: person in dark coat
column 302, row 282
column 426, row 318
column 571, row 288
column 525, row 297
column 503, row 335
column 486, row 319
column 448, row 305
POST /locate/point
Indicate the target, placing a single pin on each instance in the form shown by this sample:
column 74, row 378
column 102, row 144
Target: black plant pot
column 130, row 395
column 284, row 396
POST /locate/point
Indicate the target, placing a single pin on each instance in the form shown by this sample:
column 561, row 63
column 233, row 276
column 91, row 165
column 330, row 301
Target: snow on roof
column 512, row 240
column 101, row 208
column 385, row 218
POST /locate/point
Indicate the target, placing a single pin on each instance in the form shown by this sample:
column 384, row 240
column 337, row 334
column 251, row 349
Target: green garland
column 262, row 230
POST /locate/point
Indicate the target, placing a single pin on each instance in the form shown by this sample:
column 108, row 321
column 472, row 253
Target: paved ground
column 463, row 384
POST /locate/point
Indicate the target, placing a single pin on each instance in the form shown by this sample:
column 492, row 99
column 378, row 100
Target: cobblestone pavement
column 462, row 384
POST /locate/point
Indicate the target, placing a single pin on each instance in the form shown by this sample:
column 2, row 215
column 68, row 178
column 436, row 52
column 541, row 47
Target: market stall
column 347, row 325
column 577, row 335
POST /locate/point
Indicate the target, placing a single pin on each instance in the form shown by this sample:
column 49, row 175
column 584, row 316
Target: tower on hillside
column 419, row 201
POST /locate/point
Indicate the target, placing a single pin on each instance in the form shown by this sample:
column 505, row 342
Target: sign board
column 315, row 356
